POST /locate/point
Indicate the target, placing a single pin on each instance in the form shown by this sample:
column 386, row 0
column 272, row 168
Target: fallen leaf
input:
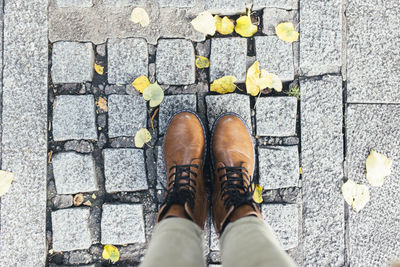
column 93, row 196
column 378, row 167
column 154, row 93
column 78, row 199
column 257, row 80
column 244, row 27
column 87, row 203
column 49, row 156
column 356, row 195
column 224, row 26
column 257, row 195
column 286, row 32
column 139, row 15
column 6, row 179
column 142, row 137
column 152, row 118
column 141, row 83
column 276, row 82
column 99, row 69
column 111, row 253
column 300, row 170
column 224, row 85
column 102, row 104
column 204, row 23
column 202, row 62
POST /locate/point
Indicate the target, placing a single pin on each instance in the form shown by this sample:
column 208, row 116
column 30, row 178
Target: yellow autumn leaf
column 204, row 23
column 224, row 85
column 154, row 93
column 139, row 15
column 286, row 32
column 224, row 25
column 99, row 69
column 141, row 83
column 356, row 195
column 244, row 27
column 378, row 166
column 257, row 80
column 252, row 75
column 142, row 137
column 276, row 82
column 202, row 62
column 257, row 195
column 111, row 253
column 6, row 179
column 102, row 104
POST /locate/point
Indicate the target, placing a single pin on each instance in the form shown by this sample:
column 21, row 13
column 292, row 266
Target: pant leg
column 175, row 242
column 251, row 242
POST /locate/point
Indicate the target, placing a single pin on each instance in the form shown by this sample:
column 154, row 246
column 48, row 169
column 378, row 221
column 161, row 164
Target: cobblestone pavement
column 61, row 145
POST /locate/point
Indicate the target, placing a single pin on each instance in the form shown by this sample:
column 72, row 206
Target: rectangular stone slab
column 374, row 232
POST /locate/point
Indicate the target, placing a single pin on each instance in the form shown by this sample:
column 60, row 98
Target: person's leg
column 177, row 237
column 176, row 242
column 251, row 242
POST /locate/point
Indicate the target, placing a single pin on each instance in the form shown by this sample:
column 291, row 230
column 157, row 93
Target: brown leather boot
column 232, row 155
column 184, row 154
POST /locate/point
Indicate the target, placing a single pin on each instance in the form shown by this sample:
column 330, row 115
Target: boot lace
column 182, row 187
column 235, row 189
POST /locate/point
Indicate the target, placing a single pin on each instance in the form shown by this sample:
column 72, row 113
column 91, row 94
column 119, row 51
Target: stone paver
column 236, row 103
column 226, row 7
column 284, row 220
column 320, row 50
column 176, row 3
column 124, row 170
column 126, row 115
column 74, row 173
column 283, row 4
column 375, row 47
column 122, row 224
column 24, row 137
column 214, row 240
column 278, row 167
column 273, row 16
column 127, row 60
column 72, row 62
column 228, row 57
column 276, row 56
column 276, row 116
column 122, row 3
column 175, row 62
column 171, row 105
column 374, row 230
column 74, row 118
column 74, row 3
column 161, row 175
column 322, row 164
column 70, row 229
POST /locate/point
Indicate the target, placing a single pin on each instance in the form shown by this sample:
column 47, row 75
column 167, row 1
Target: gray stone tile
column 171, row 105
column 322, row 164
column 177, row 3
column 127, row 60
column 278, row 167
column 161, row 175
column 72, row 62
column 283, row 4
column 74, row 118
column 276, row 116
column 175, row 62
column 273, row 16
column 24, row 132
column 276, row 56
column 70, row 229
column 74, row 173
column 74, row 3
column 227, row 7
column 122, row 3
column 372, row 59
column 321, row 37
column 219, row 104
column 122, row 224
column 124, row 170
column 373, row 231
column 228, row 57
column 214, row 240
column 126, row 115
column 283, row 219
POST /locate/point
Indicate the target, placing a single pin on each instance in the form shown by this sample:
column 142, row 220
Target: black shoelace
column 235, row 189
column 182, row 186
